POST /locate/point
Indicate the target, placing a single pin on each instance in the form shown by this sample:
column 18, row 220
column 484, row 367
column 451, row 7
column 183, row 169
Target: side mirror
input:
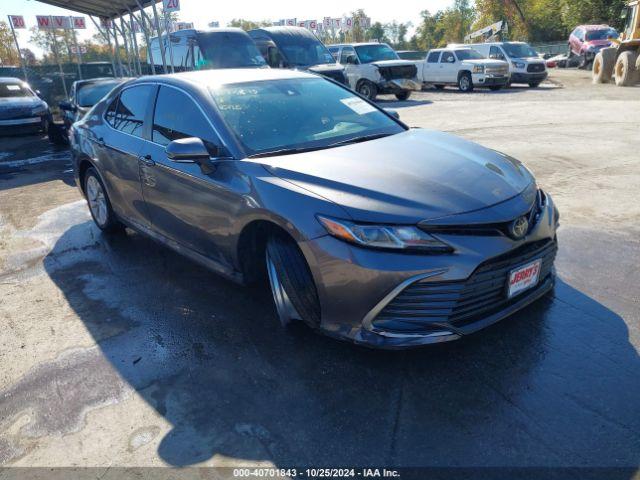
column 191, row 150
column 352, row 60
column 393, row 113
column 67, row 106
column 39, row 93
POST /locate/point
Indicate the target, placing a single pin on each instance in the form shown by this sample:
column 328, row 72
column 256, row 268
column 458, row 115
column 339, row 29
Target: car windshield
column 519, row 50
column 8, row 90
column 601, row 34
column 298, row 114
column 92, row 93
column 303, row 51
column 228, row 50
column 375, row 53
column 468, row 54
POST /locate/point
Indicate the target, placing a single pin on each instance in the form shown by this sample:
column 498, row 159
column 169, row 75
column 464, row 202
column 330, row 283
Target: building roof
column 99, row 8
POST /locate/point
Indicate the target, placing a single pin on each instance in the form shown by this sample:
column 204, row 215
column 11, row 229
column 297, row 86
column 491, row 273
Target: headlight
column 39, row 110
column 397, row 237
column 478, row 69
column 518, row 64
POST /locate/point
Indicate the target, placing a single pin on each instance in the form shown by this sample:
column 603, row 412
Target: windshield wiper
column 286, row 151
column 363, row 138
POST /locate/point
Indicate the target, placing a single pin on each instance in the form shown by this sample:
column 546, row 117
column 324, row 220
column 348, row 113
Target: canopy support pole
column 159, row 30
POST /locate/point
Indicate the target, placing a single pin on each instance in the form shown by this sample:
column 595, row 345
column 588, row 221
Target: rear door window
column 131, row 109
column 447, row 57
column 433, row 57
column 346, row 52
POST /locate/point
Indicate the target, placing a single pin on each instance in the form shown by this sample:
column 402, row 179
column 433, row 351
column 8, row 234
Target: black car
column 85, row 94
column 298, row 48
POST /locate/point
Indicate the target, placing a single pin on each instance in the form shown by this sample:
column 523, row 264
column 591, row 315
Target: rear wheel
column 367, row 89
column 603, row 65
column 404, row 95
column 625, row 71
column 292, row 286
column 99, row 204
column 465, row 82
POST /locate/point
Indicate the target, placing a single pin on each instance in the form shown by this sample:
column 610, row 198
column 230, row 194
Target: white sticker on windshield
column 13, row 88
column 358, row 105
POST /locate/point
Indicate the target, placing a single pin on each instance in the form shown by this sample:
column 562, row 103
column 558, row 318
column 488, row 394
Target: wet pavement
column 116, row 351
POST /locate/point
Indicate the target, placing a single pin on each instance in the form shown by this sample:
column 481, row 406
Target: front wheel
column 404, row 95
column 603, row 65
column 625, row 72
column 99, row 204
column 367, row 89
column 465, row 82
column 292, row 286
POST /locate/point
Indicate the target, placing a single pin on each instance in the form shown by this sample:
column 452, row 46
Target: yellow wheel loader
column 622, row 60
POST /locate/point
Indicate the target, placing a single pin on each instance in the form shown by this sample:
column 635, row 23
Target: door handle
column 147, row 160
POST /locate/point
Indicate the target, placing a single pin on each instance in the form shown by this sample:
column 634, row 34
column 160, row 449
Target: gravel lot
column 117, row 352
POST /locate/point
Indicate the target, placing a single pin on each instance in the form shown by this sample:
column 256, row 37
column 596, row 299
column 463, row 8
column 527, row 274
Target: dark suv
column 298, row 48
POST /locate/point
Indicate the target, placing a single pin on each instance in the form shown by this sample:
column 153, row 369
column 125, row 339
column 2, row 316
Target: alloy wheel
column 97, row 200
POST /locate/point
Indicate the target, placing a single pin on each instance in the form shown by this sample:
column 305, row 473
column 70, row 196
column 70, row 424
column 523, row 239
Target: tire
column 439, row 87
column 465, row 82
column 603, row 65
column 495, row 88
column 99, row 204
column 404, row 95
column 367, row 89
column 294, row 291
column 625, row 72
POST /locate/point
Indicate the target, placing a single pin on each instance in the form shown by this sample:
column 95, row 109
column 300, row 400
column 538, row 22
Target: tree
column 248, row 24
column 8, row 52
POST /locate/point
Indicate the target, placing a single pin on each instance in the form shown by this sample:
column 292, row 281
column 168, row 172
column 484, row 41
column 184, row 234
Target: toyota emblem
column 519, row 228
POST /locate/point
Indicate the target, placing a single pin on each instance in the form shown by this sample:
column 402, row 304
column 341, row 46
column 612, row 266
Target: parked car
column 206, row 49
column 587, row 40
column 83, row 95
column 464, row 67
column 525, row 66
column 370, row 231
column 21, row 109
column 375, row 68
column 411, row 54
column 298, row 48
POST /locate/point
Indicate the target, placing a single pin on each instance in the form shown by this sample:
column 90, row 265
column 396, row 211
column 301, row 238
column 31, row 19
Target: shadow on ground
column 556, row 385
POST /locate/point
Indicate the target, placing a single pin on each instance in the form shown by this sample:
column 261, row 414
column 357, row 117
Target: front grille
column 535, row 67
column 498, row 71
column 422, row 305
column 15, row 113
column 399, row 71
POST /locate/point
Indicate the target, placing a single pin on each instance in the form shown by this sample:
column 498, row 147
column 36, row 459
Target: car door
column 431, row 67
column 448, row 71
column 352, row 71
column 186, row 205
column 118, row 149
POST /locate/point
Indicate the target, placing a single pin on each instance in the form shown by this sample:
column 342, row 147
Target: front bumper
column 25, row 123
column 356, row 284
column 520, row 77
column 398, row 85
column 482, row 80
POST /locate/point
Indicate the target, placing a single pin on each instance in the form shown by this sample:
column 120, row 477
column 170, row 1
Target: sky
column 201, row 12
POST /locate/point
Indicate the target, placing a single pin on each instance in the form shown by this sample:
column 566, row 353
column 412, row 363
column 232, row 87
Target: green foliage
column 8, row 52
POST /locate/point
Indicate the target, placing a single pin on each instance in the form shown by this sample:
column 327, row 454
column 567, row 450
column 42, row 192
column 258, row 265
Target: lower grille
column 15, row 113
column 535, row 68
column 423, row 305
column 400, row 71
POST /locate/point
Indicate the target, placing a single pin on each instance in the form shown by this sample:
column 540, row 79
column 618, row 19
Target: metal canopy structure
column 109, row 12
column 107, row 9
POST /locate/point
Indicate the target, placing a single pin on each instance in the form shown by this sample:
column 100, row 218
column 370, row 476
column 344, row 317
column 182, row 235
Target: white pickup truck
column 375, row 68
column 464, row 67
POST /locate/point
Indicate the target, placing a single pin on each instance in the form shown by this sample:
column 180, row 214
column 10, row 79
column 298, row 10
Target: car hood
column 487, row 62
column 413, row 176
column 20, row 102
column 392, row 63
column 326, row 67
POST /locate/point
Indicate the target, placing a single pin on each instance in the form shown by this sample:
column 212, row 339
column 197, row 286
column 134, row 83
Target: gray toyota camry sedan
column 367, row 230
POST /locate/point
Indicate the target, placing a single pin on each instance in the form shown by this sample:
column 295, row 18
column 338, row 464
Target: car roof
column 101, row 79
column 11, row 80
column 357, row 44
column 284, row 30
column 225, row 76
column 186, row 32
column 594, row 27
